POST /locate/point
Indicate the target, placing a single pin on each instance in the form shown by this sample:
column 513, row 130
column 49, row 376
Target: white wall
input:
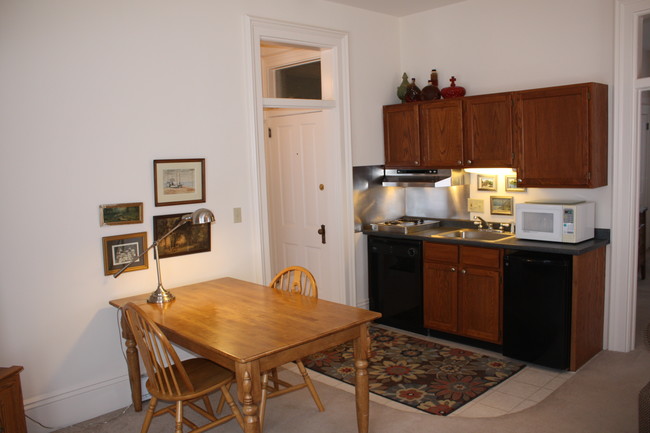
column 90, row 94
column 502, row 45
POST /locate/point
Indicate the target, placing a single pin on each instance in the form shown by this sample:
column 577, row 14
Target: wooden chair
column 182, row 382
column 294, row 279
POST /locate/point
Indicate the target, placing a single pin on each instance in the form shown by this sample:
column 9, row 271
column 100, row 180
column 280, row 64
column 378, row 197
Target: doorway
column 334, row 105
column 629, row 85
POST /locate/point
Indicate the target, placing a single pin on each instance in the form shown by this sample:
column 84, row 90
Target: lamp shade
column 202, row 216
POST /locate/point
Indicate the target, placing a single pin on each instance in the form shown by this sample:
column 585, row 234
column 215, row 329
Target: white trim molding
column 336, row 94
column 625, row 176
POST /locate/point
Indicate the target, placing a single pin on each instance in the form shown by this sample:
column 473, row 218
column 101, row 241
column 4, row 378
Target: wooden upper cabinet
column 561, row 136
column 441, row 134
column 401, row 135
column 487, row 121
column 452, row 133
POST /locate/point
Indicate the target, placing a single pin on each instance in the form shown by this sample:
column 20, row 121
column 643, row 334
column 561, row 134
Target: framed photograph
column 188, row 239
column 123, row 213
column 501, row 205
column 511, row 184
column 486, row 182
column 120, row 250
column 179, row 181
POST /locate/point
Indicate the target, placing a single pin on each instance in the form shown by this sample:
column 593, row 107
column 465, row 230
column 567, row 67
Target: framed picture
column 123, row 213
column 511, row 184
column 486, row 182
column 188, row 239
column 500, row 205
column 120, row 250
column 179, row 181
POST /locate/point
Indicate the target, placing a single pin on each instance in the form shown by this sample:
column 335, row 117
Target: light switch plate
column 236, row 215
column 475, row 205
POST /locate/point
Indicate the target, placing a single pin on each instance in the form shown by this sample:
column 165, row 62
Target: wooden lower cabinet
column 463, row 290
column 12, row 412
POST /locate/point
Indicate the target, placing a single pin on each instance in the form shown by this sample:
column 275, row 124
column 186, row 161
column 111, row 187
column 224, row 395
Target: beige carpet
column 602, row 397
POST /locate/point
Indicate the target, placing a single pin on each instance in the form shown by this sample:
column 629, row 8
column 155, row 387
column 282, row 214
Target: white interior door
column 298, row 191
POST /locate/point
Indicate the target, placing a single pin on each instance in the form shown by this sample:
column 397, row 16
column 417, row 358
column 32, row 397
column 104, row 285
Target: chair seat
column 205, row 376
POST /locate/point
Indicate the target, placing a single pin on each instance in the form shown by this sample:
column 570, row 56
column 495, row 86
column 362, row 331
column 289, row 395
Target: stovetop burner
column 407, row 224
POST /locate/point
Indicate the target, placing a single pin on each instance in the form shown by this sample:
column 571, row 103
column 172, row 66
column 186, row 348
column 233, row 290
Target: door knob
column 321, row 232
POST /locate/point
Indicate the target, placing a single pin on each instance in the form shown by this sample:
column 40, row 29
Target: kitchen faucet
column 482, row 224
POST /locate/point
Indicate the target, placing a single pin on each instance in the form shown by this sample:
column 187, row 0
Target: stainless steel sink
column 473, row 234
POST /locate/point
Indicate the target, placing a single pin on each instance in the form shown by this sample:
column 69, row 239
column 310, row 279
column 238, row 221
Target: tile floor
column 524, row 389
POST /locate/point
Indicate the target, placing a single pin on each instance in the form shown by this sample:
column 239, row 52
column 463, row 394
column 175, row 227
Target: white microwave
column 569, row 222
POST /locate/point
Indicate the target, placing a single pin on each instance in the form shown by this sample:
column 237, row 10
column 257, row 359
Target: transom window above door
column 291, row 72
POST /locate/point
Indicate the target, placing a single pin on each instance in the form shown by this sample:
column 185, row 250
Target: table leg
column 249, row 392
column 133, row 365
column 361, row 354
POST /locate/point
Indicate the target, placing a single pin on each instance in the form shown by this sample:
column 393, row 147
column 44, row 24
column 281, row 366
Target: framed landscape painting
column 179, row 181
column 501, row 205
column 123, row 213
column 187, row 239
column 486, row 182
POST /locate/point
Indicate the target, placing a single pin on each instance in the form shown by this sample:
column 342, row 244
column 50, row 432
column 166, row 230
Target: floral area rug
column 422, row 374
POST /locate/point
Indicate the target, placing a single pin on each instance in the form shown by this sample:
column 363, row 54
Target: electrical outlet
column 475, row 205
column 236, row 215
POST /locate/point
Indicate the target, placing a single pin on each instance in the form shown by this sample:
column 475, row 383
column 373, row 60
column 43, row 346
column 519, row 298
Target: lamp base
column 160, row 296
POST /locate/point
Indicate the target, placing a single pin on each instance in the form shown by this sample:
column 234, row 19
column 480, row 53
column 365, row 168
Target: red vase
column 453, row 91
column 413, row 92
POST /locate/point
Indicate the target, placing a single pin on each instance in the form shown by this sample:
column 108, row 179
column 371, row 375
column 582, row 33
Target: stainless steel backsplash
column 374, row 203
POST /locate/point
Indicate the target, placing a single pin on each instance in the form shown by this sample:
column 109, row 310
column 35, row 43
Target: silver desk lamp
column 161, row 295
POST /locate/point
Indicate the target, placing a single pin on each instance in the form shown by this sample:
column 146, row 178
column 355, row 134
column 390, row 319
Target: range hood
column 423, row 177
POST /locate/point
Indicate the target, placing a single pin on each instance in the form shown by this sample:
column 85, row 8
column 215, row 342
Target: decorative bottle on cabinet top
column 401, row 90
column 431, row 91
column 413, row 92
column 453, row 91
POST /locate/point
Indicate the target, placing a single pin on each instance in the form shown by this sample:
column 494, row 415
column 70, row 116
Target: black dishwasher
column 537, row 308
column 395, row 282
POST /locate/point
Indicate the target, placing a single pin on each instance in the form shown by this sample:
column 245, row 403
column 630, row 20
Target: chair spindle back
column 164, row 367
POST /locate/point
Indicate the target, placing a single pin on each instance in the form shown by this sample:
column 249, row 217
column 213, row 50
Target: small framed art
column 486, row 182
column 179, row 181
column 511, row 184
column 123, row 213
column 501, row 205
column 120, row 250
column 187, row 239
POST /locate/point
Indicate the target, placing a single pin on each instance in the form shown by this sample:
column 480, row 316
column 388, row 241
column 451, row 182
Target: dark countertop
column 601, row 240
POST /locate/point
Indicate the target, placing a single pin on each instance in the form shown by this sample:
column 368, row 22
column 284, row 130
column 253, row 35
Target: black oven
column 395, row 282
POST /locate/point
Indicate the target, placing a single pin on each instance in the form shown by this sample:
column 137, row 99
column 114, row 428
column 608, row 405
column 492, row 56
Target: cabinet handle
column 453, row 269
column 416, row 162
column 459, row 162
column 518, row 180
column 463, row 271
column 469, row 161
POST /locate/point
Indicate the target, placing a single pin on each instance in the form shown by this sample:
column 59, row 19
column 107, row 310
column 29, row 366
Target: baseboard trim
column 61, row 409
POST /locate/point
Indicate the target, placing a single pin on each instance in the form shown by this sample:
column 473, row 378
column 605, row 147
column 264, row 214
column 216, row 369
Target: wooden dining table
column 250, row 328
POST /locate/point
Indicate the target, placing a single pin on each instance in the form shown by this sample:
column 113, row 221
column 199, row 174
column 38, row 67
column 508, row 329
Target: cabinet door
column 12, row 413
column 487, row 122
column 441, row 134
column 401, row 135
column 479, row 292
column 441, row 297
column 560, row 136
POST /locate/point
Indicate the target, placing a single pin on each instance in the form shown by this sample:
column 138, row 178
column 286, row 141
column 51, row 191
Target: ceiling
column 397, row 8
